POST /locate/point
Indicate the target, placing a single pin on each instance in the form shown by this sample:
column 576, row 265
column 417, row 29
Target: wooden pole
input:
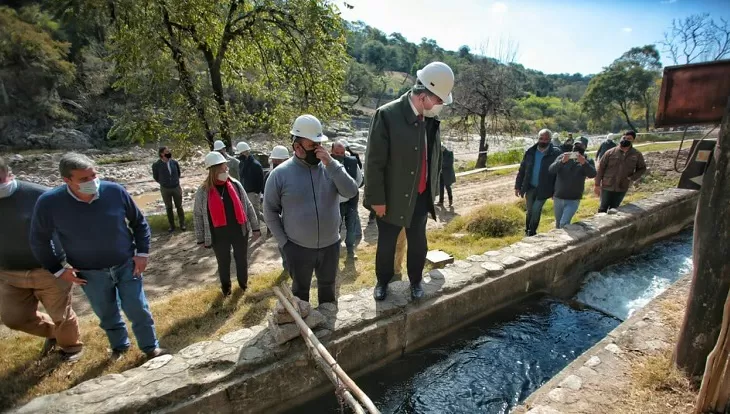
column 319, row 349
column 714, row 394
column 711, row 272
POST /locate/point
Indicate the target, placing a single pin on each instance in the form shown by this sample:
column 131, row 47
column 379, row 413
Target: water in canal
column 494, row 364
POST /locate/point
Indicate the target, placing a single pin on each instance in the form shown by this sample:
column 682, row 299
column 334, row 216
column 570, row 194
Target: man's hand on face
column 323, row 155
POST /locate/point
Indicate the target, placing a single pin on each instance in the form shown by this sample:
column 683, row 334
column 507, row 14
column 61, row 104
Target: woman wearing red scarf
column 223, row 218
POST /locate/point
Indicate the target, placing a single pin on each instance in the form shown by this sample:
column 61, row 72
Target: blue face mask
column 90, row 187
column 7, row 189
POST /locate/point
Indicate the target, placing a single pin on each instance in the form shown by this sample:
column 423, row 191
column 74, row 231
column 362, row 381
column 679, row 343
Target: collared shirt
column 415, row 111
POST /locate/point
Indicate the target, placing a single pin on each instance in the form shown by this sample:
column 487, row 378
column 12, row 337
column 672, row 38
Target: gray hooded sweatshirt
column 302, row 202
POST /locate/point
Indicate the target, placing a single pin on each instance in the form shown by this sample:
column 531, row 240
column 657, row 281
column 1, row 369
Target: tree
column 32, row 65
column 484, row 96
column 227, row 67
column 697, row 38
column 627, row 83
column 359, row 81
column 374, row 53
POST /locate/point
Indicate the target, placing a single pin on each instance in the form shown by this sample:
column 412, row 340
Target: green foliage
column 495, row 220
column 557, row 114
column 33, row 64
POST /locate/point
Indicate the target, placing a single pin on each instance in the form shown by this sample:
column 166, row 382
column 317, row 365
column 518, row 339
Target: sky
column 552, row 36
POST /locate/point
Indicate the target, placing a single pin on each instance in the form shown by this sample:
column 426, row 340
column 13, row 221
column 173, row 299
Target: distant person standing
column 233, row 163
column 278, row 155
column 166, row 171
column 224, row 217
column 534, row 180
column 349, row 206
column 24, row 282
column 618, row 169
column 448, row 175
column 403, row 162
column 252, row 176
column 107, row 240
column 571, row 170
column 302, row 209
column 605, row 146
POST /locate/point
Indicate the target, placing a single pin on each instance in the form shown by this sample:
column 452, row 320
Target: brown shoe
column 157, row 352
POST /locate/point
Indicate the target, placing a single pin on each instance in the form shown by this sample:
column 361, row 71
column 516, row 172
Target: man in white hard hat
column 252, row 176
column 302, row 209
column 402, row 166
column 233, row 163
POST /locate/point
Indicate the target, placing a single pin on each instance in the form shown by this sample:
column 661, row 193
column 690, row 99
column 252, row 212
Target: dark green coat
column 393, row 160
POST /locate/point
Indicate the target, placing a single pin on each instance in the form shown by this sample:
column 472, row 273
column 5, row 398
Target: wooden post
column 714, row 394
column 711, row 270
column 318, row 348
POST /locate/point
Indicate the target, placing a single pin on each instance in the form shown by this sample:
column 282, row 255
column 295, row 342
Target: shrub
column 496, row 220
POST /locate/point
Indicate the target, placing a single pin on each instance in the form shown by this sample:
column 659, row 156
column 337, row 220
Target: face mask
column 311, row 157
column 222, row 176
column 339, row 158
column 168, row 155
column 625, row 143
column 274, row 165
column 579, row 149
column 90, row 187
column 433, row 112
column 7, row 189
column 542, row 145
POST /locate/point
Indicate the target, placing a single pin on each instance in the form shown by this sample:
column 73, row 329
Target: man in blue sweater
column 107, row 241
column 23, row 282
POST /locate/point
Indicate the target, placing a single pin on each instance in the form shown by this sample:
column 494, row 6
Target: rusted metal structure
column 691, row 95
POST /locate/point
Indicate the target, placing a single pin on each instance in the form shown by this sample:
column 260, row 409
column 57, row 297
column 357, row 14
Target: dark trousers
column 170, row 195
column 323, row 262
column 534, row 210
column 417, row 244
column 441, row 193
column 223, row 240
column 351, row 220
column 610, row 199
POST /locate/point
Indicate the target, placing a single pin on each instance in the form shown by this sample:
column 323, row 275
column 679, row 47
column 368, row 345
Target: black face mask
column 339, row 158
column 168, row 155
column 579, row 149
column 542, row 145
column 274, row 165
column 625, row 143
column 311, row 157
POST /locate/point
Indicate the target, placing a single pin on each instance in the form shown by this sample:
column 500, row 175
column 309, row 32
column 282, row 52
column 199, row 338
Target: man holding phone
column 571, row 170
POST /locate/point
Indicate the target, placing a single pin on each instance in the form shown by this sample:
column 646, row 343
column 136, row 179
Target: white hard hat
column 279, row 153
column 218, row 145
column 214, row 158
column 242, row 147
column 438, row 78
column 308, row 126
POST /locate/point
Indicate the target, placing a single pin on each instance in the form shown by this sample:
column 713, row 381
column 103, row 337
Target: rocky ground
column 177, row 262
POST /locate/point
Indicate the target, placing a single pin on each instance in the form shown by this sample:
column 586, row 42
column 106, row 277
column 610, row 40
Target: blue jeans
column 534, row 210
column 564, row 211
column 106, row 290
column 353, row 235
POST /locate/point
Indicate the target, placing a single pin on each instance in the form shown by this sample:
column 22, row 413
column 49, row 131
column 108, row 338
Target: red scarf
column 218, row 211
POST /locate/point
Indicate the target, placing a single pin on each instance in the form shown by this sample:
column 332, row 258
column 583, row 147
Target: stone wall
column 245, row 371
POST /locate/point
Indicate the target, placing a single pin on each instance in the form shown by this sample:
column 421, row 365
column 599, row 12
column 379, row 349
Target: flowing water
column 494, row 364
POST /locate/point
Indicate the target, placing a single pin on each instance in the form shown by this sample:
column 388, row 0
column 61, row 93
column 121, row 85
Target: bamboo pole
column 713, row 395
column 308, row 335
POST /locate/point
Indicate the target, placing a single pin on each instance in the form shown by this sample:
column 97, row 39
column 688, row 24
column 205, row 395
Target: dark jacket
column 394, row 158
column 605, row 146
column 546, row 183
column 166, row 178
column 351, row 167
column 252, row 175
column 571, row 177
column 617, row 169
column 447, row 167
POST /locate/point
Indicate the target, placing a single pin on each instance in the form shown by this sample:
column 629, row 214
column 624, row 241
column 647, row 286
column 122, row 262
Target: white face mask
column 222, row 176
column 7, row 189
column 433, row 112
column 90, row 187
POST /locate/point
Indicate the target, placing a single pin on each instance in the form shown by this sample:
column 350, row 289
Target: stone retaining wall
column 246, row 372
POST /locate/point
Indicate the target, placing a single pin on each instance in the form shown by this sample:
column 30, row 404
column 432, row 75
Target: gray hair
column 545, row 131
column 74, row 161
column 419, row 89
column 4, row 167
column 340, row 142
